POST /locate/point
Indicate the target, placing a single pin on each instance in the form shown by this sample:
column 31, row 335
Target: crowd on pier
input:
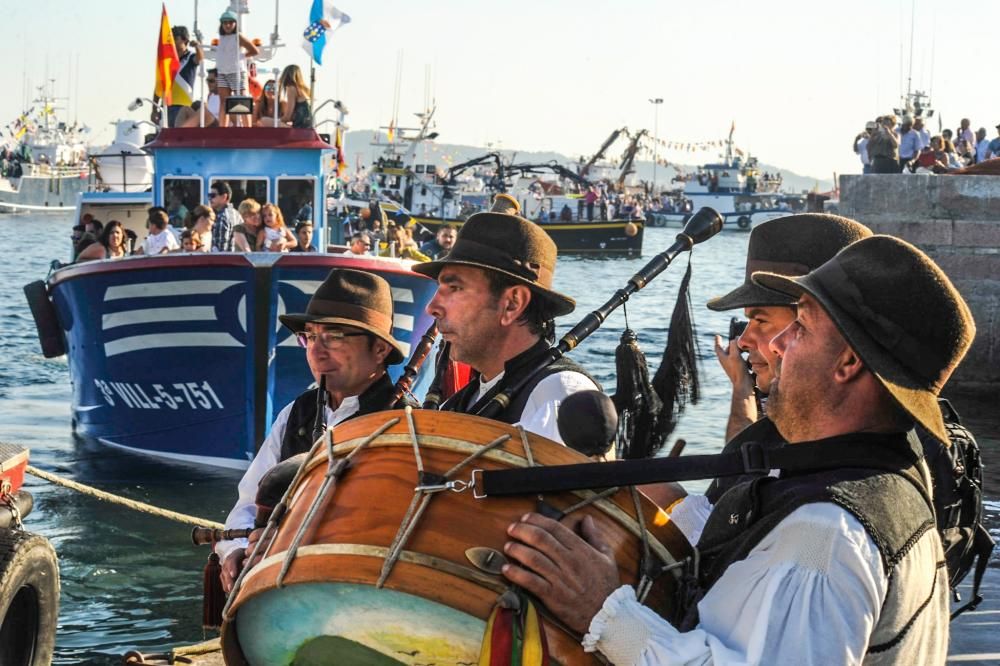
column 904, row 145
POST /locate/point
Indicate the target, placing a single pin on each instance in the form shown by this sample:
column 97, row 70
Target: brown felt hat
column 899, row 312
column 352, row 298
column 502, row 241
column 790, row 245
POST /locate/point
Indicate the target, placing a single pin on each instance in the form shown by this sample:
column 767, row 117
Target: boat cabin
column 282, row 166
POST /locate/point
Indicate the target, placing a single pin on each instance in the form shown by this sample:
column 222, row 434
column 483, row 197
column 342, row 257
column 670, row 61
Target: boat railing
column 50, row 171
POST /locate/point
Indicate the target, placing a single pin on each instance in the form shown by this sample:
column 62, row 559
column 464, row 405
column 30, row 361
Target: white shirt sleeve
column 269, row 455
column 690, row 516
column 542, row 408
column 245, row 510
column 809, row 593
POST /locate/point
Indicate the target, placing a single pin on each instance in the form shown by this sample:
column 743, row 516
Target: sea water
column 133, row 581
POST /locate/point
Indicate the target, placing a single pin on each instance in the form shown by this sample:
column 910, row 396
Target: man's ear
column 381, row 349
column 514, row 302
column 849, row 366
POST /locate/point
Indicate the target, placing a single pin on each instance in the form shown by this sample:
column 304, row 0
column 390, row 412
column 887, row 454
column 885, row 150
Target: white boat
column 48, row 166
column 735, row 187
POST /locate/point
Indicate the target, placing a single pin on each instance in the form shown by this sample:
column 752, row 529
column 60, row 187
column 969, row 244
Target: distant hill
column 358, row 146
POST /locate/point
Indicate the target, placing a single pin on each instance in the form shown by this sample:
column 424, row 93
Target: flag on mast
column 167, row 62
column 324, row 18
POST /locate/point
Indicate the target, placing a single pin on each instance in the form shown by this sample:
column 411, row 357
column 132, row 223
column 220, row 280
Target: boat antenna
column 909, row 73
column 274, row 35
column 197, row 32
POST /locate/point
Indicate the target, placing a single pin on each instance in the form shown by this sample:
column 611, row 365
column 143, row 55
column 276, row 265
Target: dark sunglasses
column 212, row 195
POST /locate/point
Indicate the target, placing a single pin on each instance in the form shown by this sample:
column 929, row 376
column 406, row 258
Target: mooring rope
column 123, row 501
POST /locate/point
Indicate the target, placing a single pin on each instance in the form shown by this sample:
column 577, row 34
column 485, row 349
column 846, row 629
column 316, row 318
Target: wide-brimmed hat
column 790, row 245
column 502, row 241
column 352, row 298
column 899, row 312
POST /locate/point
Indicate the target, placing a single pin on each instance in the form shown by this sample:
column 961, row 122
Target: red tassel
column 213, row 598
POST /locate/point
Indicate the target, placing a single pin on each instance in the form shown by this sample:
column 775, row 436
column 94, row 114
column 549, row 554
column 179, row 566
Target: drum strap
column 750, row 458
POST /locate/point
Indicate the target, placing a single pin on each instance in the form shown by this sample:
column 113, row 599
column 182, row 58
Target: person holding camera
column 883, row 146
column 792, row 245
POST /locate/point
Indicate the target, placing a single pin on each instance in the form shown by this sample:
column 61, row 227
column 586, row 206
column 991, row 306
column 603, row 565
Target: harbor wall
column 956, row 220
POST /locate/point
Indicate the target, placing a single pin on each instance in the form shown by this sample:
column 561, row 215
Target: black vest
column 889, row 499
column 298, row 437
column 764, row 433
column 514, row 370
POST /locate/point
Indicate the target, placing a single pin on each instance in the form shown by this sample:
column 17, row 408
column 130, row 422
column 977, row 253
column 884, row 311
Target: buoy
column 631, row 229
column 50, row 334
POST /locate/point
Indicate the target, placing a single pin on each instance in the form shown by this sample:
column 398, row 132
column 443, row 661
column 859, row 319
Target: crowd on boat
column 904, row 145
column 281, row 102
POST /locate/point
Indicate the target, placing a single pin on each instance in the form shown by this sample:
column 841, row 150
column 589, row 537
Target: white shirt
column 245, row 510
column 156, row 243
column 542, row 408
column 809, row 593
column 982, row 148
column 863, row 152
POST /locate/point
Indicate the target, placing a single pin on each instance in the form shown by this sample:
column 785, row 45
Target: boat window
column 295, row 199
column 181, row 195
column 420, row 168
column 245, row 188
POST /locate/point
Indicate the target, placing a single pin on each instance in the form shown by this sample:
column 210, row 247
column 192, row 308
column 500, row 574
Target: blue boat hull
column 183, row 356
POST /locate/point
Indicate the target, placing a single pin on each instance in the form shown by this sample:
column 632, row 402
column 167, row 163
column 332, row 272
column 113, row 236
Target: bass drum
column 445, row 582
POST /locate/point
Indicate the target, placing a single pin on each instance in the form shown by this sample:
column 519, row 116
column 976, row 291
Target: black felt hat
column 502, row 241
column 900, row 313
column 352, row 298
column 790, row 245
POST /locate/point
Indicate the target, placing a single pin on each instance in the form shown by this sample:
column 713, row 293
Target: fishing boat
column 181, row 355
column 735, row 187
column 434, row 197
column 45, row 163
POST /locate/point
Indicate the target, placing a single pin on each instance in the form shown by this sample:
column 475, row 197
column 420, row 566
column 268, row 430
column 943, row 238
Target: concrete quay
column 955, row 220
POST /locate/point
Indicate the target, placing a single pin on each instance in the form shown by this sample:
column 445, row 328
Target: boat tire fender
column 50, row 334
column 743, row 222
column 29, row 598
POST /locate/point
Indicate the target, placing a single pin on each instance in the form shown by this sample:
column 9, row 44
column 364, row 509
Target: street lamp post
column 656, row 102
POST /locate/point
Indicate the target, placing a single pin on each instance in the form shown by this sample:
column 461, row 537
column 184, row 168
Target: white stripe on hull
column 175, row 288
column 168, row 340
column 155, row 315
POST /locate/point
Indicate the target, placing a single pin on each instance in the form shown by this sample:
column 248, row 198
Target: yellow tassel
column 533, row 654
column 484, row 649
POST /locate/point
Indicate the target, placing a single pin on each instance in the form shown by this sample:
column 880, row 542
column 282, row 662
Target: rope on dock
column 123, row 501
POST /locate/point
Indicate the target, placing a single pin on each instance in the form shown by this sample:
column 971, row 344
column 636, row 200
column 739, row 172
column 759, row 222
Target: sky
column 797, row 78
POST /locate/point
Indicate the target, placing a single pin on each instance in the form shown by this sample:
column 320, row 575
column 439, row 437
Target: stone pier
column 956, row 220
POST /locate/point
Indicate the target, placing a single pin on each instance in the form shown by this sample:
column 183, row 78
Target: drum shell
column 358, row 522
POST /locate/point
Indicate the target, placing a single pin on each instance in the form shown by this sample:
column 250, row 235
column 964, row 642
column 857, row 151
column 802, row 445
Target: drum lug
column 486, row 559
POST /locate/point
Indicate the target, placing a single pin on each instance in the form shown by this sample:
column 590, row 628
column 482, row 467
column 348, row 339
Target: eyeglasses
column 209, row 80
column 212, row 195
column 328, row 339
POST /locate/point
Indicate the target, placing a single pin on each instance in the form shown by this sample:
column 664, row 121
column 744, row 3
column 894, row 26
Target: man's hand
column 733, row 363
column 231, row 568
column 238, row 559
column 571, row 575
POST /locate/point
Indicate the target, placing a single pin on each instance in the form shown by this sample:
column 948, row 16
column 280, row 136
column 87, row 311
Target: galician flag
column 324, row 18
column 167, row 62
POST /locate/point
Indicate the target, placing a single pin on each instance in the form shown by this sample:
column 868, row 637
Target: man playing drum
column 495, row 307
column 834, row 563
column 347, row 333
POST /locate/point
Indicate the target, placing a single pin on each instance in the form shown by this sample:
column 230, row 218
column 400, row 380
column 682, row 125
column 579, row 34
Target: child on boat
column 230, row 61
column 274, row 236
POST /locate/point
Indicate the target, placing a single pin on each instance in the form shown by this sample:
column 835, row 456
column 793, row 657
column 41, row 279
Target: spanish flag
column 167, row 62
column 339, row 145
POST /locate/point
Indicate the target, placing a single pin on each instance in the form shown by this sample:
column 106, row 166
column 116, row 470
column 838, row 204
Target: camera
column 736, row 327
